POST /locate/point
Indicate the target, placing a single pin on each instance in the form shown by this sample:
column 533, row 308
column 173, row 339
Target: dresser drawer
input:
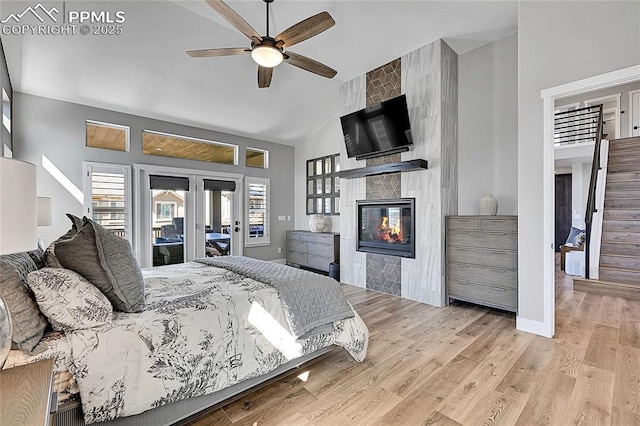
column 295, row 245
column 308, row 238
column 469, row 224
column 296, row 257
column 482, row 294
column 504, row 225
column 495, row 240
column 319, row 262
column 317, row 249
column 496, row 277
column 497, row 258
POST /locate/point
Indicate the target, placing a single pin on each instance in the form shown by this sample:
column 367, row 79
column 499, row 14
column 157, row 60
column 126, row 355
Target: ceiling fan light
column 267, row 56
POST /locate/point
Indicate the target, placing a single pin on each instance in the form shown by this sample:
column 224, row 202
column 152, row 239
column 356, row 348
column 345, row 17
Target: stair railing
column 591, row 197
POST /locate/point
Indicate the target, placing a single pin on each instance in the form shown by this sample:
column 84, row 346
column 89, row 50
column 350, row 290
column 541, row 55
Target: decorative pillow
column 108, row 262
column 50, row 256
column 68, row 300
column 572, row 235
column 579, row 239
column 28, row 321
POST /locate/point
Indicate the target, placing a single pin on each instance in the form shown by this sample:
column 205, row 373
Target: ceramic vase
column 317, row 223
column 488, row 205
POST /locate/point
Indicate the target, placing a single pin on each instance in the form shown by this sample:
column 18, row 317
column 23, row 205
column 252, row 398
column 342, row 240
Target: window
column 166, row 210
column 166, row 145
column 257, row 221
column 323, row 185
column 107, row 136
column 107, row 190
column 257, row 158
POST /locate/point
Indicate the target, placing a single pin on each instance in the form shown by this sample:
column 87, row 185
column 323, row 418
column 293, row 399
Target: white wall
column 580, row 178
column 558, row 42
column 488, row 126
column 327, row 140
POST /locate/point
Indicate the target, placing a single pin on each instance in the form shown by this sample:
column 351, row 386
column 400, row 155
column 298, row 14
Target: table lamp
column 18, row 226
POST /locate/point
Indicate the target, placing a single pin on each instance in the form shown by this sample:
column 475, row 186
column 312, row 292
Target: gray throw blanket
column 310, row 300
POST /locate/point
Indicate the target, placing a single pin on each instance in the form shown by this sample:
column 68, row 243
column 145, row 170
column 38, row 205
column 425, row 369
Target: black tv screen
column 377, row 129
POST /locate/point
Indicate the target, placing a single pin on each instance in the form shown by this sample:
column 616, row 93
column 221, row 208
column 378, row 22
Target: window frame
column 236, row 148
column 265, row 240
column 126, row 129
column 170, row 203
column 125, row 170
column 266, row 157
column 319, row 176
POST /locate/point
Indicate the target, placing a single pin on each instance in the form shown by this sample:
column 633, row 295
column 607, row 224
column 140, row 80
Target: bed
column 209, row 329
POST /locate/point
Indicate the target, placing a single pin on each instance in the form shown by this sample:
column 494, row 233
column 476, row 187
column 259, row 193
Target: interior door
column 635, row 114
column 563, row 209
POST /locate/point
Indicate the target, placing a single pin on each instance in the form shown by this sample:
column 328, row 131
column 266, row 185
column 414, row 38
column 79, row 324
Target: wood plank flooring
column 465, row 365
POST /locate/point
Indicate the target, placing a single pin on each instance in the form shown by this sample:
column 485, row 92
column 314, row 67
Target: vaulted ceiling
column 145, row 70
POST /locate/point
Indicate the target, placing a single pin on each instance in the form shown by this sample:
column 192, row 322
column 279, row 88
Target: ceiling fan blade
column 209, row 53
column 306, row 29
column 233, row 18
column 309, row 64
column 264, row 76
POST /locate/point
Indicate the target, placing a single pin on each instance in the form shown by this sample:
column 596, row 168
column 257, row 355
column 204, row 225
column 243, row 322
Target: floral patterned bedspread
column 203, row 329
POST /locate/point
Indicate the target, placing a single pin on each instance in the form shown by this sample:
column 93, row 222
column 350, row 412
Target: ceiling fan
column 268, row 52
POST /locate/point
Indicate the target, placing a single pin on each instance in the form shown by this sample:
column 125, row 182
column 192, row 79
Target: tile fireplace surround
column 428, row 77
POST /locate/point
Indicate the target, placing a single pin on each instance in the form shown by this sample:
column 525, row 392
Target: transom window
column 107, row 136
column 167, row 145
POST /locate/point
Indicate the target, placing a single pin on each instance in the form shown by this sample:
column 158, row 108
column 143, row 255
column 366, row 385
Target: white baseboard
column 534, row 327
column 280, row 261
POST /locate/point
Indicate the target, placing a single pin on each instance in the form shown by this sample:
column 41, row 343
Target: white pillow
column 68, row 300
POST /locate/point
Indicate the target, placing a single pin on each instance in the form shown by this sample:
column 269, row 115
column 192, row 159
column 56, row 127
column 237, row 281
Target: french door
column 186, row 214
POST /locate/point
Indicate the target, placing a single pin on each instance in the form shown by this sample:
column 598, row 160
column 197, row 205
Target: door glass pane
column 319, row 186
column 336, row 184
column 336, row 205
column 309, row 168
column 327, row 186
column 327, row 205
column 218, row 223
column 337, row 163
column 319, row 205
column 327, row 165
column 318, row 167
column 309, row 187
column 168, row 213
column 310, row 205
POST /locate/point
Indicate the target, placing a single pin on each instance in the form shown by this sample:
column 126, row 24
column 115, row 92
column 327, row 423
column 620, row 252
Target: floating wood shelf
column 383, row 169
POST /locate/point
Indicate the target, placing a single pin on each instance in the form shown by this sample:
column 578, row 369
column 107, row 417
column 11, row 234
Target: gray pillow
column 107, row 261
column 28, row 322
column 69, row 301
column 50, row 256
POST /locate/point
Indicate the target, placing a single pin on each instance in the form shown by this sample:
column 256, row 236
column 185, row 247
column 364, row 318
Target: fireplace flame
column 391, row 234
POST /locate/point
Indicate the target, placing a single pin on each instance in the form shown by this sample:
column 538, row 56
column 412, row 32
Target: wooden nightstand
column 25, row 394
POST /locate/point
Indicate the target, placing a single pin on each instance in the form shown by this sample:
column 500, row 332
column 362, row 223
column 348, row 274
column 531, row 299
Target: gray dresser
column 315, row 250
column 482, row 260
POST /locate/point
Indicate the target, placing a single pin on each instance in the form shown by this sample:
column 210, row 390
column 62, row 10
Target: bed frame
column 187, row 410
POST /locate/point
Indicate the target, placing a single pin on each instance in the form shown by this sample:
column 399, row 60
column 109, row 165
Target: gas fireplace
column 386, row 227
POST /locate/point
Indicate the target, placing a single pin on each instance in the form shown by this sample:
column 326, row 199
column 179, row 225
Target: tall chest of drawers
column 315, row 250
column 482, row 260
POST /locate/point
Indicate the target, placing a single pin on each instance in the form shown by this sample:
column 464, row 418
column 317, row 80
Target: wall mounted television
column 377, row 130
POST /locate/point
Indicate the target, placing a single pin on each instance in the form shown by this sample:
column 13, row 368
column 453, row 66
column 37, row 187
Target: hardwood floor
column 465, row 365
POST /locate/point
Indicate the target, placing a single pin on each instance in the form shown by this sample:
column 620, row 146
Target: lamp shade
column 44, row 211
column 18, row 210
